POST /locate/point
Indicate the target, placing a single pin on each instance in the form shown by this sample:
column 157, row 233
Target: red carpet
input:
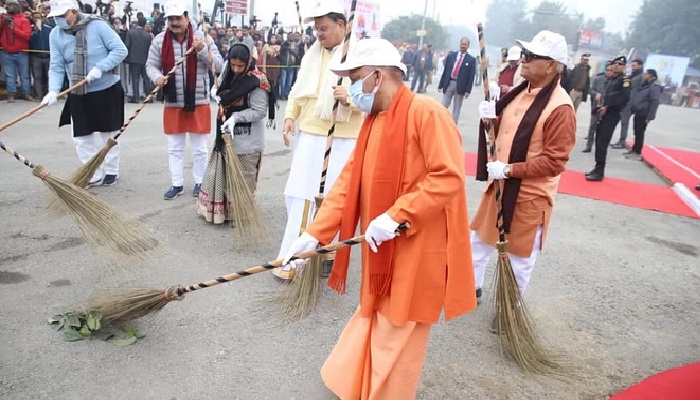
column 618, row 191
column 677, row 384
column 676, row 165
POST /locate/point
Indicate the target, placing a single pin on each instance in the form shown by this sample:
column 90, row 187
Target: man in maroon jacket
column 15, row 31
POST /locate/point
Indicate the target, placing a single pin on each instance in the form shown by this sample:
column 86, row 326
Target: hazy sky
column 460, row 12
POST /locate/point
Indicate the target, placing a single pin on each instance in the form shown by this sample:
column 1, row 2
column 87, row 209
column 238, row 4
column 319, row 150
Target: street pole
column 422, row 28
column 252, row 10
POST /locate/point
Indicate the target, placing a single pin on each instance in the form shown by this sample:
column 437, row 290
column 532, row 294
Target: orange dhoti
column 376, row 360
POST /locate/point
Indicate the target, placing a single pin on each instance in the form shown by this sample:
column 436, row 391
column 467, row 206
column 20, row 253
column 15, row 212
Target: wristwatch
column 506, row 171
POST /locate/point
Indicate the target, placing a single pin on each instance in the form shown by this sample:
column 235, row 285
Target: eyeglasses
column 529, row 56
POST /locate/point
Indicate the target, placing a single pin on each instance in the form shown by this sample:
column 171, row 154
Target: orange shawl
column 385, row 188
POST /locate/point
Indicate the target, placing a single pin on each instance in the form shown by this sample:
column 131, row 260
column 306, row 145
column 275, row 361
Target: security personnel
column 617, row 94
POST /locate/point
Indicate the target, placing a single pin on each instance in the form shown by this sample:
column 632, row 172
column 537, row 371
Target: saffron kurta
column 552, row 140
column 432, row 259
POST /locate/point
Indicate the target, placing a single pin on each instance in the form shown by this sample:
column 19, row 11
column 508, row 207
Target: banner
column 669, row 68
column 237, row 7
column 367, row 18
column 592, row 39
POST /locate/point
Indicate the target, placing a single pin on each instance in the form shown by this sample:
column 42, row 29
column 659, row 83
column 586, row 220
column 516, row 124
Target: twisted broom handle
column 492, row 134
column 301, row 26
column 40, row 106
column 278, row 263
column 153, row 93
column 331, row 131
column 18, row 156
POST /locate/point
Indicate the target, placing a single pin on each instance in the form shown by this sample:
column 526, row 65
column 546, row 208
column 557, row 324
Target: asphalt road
column 615, row 291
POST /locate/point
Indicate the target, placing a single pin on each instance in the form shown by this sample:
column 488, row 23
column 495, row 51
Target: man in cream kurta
column 310, row 107
column 407, row 168
column 538, row 113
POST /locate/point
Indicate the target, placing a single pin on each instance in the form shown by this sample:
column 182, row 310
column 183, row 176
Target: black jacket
column 617, row 93
column 573, row 77
column 646, row 100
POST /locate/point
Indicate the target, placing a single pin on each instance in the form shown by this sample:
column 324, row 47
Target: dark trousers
column 419, row 74
column 40, row 72
column 590, row 139
column 603, row 135
column 137, row 71
column 640, row 127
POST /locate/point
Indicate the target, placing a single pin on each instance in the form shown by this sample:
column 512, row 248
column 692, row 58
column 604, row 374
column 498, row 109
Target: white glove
column 214, row 96
column 93, row 74
column 380, row 230
column 303, row 243
column 50, row 99
column 229, row 124
column 487, row 110
column 494, row 90
column 496, row 169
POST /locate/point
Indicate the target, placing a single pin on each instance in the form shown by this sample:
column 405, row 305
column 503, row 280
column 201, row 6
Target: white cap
column 60, row 7
column 325, row 7
column 548, row 44
column 376, row 52
column 175, row 8
column 514, row 53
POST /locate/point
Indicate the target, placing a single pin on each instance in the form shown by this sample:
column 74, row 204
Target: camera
column 7, row 20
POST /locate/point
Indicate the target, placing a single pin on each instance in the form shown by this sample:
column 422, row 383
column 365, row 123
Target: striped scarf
column 80, row 53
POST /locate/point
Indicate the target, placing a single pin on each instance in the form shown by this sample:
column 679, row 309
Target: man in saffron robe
column 535, row 126
column 407, row 168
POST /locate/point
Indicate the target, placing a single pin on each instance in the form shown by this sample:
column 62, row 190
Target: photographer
column 15, row 31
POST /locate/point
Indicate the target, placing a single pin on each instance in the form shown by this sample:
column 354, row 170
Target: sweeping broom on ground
column 99, row 222
column 515, row 325
column 126, row 304
column 81, row 176
column 301, row 297
column 41, row 106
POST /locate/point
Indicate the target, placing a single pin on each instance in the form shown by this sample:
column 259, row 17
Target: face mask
column 61, row 22
column 362, row 100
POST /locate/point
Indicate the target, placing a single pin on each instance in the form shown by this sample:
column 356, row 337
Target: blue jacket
column 40, row 41
column 105, row 51
column 465, row 76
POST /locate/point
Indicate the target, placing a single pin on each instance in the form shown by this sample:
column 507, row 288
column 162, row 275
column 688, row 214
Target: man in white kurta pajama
column 310, row 108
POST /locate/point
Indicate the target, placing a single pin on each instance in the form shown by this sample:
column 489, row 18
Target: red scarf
column 385, row 188
column 167, row 61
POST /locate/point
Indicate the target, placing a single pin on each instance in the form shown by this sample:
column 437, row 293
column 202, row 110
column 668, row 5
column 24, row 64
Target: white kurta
column 305, row 177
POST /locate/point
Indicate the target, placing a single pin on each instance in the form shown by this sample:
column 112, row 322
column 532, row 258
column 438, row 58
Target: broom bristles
column 81, row 176
column 300, row 297
column 100, row 223
column 127, row 304
column 515, row 324
column 243, row 211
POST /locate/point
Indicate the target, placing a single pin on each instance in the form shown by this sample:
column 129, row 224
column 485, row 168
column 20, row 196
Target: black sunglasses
column 529, row 56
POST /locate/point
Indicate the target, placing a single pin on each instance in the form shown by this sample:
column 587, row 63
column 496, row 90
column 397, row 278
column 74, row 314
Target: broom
column 299, row 299
column 127, row 304
column 81, row 176
column 41, row 106
column 98, row 221
column 515, row 325
column 242, row 209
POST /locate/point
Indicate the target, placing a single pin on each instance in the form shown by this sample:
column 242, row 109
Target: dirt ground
column 614, row 294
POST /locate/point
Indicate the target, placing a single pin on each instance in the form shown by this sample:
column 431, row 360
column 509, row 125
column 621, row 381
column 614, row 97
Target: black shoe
column 327, row 268
column 592, row 172
column 697, row 187
column 587, row 149
column 618, row 146
column 595, row 176
column 109, row 180
column 478, row 296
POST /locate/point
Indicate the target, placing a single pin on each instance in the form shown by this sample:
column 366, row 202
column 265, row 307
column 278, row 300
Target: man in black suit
column 138, row 42
column 457, row 78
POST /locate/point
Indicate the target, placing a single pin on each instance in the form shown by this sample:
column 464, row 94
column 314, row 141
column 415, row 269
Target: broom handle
column 153, row 93
column 301, row 26
column 278, row 263
column 18, row 156
column 40, row 106
column 331, row 131
column 492, row 134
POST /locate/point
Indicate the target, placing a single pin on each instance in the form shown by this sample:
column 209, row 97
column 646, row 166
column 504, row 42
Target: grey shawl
column 81, row 51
